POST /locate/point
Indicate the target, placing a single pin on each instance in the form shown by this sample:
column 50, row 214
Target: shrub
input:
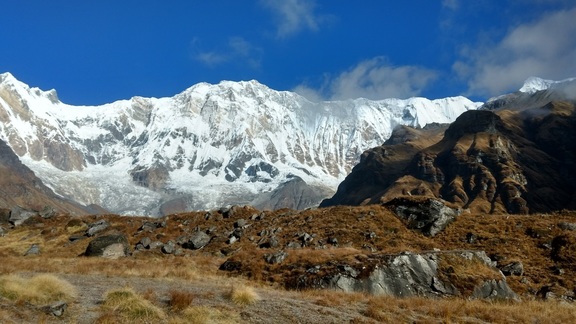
column 40, row 289
column 131, row 306
column 243, row 295
column 179, row 300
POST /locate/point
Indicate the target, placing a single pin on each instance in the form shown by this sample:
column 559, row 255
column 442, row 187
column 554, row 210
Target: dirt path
column 275, row 306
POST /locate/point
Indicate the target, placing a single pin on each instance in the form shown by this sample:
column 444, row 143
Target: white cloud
column 373, row 79
column 294, row 16
column 545, row 48
column 236, row 49
column 451, row 4
column 211, row 58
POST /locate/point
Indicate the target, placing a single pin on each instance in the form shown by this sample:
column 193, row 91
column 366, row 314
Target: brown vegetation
column 545, row 249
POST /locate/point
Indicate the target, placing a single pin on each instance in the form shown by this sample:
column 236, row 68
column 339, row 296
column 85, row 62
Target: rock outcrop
column 519, row 162
column 424, row 274
column 428, row 216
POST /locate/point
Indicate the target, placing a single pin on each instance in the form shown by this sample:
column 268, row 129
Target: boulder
column 406, row 274
column 428, row 216
column 146, row 241
column 197, row 241
column 277, row 257
column 19, row 215
column 567, row 226
column 33, row 250
column 110, row 246
column 513, row 269
column 97, row 227
column 169, row 247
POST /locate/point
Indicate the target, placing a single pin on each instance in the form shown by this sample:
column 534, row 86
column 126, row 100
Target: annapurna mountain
column 209, row 146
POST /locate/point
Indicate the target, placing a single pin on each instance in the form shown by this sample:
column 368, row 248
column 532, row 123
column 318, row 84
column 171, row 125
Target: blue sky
column 94, row 52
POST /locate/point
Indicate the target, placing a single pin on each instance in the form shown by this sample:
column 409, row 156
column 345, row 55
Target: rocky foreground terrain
column 441, row 254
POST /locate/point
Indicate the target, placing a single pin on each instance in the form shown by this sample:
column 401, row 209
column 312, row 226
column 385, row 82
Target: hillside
column 488, row 161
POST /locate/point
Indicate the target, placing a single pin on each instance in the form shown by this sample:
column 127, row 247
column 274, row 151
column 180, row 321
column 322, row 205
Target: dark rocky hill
column 502, row 160
column 19, row 186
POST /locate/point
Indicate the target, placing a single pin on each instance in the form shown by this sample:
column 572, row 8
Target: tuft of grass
column 243, row 295
column 180, row 300
column 127, row 304
column 40, row 289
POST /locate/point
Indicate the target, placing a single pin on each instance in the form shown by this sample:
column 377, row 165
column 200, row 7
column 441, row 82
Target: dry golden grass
column 205, row 314
column 126, row 304
column 242, row 295
column 179, row 300
column 40, row 289
column 466, row 274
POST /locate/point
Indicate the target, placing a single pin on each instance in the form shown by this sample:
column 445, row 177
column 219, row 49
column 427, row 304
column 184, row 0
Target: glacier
column 208, row 146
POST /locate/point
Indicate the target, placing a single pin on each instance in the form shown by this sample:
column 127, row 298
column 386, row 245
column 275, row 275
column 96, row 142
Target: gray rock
column 155, row 244
column 182, row 239
column 401, row 275
column 146, row 241
column 148, row 227
column 197, row 241
column 513, row 269
column 241, row 223
column 333, row 241
column 109, row 246
column 97, row 227
column 306, row 238
column 494, row 289
column 277, row 257
column 3, row 231
column 33, row 250
column 232, row 239
column 19, row 215
column 429, row 216
column 272, row 242
column 567, row 226
column 57, row 309
column 293, row 245
column 169, row 247
column 47, row 212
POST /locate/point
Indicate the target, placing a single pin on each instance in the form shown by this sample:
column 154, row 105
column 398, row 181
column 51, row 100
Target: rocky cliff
column 20, row 187
column 502, row 158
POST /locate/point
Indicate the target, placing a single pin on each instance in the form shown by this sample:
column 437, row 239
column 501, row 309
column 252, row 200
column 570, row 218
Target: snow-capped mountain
column 211, row 145
column 535, row 84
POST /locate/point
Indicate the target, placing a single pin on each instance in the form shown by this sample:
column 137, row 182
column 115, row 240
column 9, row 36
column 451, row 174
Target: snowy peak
column 208, row 146
column 535, row 84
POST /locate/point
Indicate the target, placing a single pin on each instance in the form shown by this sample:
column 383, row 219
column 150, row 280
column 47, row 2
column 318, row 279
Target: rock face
column 429, row 216
column 111, row 246
column 22, row 190
column 511, row 161
column 405, row 275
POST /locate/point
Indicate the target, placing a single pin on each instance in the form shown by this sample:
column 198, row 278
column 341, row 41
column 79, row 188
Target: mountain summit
column 515, row 154
column 211, row 145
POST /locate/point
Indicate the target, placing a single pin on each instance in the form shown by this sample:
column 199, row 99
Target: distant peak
column 534, row 84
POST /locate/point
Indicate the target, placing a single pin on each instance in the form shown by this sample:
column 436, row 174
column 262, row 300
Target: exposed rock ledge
column 469, row 274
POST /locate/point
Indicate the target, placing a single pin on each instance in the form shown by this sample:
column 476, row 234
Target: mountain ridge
column 515, row 154
column 208, row 146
